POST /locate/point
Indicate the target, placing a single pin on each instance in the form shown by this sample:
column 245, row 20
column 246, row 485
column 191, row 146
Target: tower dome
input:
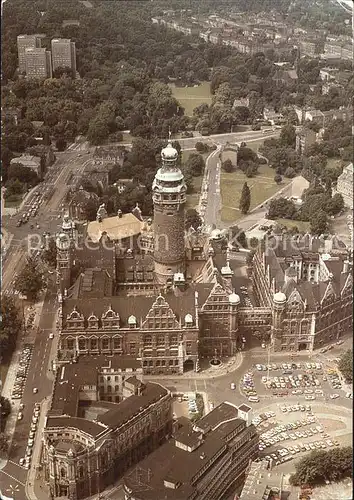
column 169, row 153
column 279, row 298
column 63, row 241
column 234, row 299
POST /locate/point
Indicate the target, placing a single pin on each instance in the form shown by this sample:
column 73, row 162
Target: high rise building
column 64, row 54
column 38, row 63
column 26, row 42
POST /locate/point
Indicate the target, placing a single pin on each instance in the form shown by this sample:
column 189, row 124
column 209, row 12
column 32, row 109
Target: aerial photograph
column 176, row 250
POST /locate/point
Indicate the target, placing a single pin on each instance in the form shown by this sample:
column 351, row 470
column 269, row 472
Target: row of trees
column 10, row 327
column 320, row 466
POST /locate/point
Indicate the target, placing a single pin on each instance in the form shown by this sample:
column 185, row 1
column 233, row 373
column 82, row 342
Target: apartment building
column 26, row 42
column 64, row 54
column 38, row 63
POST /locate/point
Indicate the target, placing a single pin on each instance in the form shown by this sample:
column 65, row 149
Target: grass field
column 191, row 97
column 262, row 187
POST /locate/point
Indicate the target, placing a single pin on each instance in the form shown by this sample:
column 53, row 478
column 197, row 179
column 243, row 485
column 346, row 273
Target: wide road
column 213, row 169
column 13, row 475
column 52, row 191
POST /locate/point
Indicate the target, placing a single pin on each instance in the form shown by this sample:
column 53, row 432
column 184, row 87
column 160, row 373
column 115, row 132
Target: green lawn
column 262, row 187
column 191, row 97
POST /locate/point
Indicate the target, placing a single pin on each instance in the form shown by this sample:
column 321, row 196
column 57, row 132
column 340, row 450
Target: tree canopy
column 318, row 466
column 30, row 281
column 245, row 200
column 345, row 365
column 10, row 326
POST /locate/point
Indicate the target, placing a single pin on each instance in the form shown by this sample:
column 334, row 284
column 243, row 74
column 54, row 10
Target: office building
column 38, row 63
column 26, row 42
column 64, row 54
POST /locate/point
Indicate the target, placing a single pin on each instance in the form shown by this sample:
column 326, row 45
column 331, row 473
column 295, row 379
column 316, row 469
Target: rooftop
column 116, row 228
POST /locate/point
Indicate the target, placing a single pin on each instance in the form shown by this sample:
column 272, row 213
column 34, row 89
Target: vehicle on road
column 20, row 416
column 233, row 386
column 35, row 390
column 51, row 335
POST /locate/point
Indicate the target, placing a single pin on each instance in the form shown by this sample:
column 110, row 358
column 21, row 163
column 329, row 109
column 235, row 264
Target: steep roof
column 116, row 228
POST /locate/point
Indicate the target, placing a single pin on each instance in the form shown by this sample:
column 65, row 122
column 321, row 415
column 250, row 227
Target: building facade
column 169, row 309
column 90, row 441
column 26, row 42
column 38, row 63
column 201, row 461
column 64, row 54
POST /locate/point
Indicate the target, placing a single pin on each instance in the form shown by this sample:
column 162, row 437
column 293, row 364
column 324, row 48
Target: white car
column 51, row 335
column 334, row 396
column 232, row 386
column 20, row 416
column 35, row 390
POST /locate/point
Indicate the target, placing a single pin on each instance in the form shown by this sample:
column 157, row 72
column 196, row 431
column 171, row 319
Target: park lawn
column 191, row 97
column 255, row 145
column 302, row 226
column 262, row 187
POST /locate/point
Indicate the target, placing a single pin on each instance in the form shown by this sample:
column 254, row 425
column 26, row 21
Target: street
column 39, row 378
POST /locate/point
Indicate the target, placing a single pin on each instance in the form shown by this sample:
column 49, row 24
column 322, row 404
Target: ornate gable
column 295, row 302
column 110, row 319
column 347, row 289
column 329, row 295
column 217, row 295
column 160, row 315
column 75, row 319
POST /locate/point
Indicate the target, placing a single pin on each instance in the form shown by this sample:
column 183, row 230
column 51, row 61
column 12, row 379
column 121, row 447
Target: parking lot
column 288, row 431
column 309, row 381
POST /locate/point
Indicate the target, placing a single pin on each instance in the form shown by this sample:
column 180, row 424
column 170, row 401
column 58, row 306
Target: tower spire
column 169, row 135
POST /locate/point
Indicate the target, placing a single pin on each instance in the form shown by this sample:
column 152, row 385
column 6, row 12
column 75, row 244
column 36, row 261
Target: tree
column 4, row 443
column 278, row 179
column 90, row 209
column 10, row 326
column 335, row 205
column 227, row 165
column 201, row 147
column 281, row 208
column 30, row 281
column 288, row 135
column 245, row 200
column 60, row 144
column 345, row 365
column 290, row 173
column 192, row 219
column 195, row 164
column 237, row 237
column 5, row 408
column 321, row 466
column 50, row 254
column 318, row 222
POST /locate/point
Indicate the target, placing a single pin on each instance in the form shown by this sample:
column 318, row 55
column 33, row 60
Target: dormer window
column 75, row 319
column 132, row 321
column 110, row 319
column 92, row 322
column 188, row 320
